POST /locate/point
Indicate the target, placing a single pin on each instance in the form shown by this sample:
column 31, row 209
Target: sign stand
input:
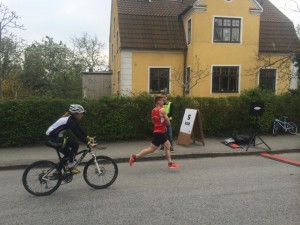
column 191, row 128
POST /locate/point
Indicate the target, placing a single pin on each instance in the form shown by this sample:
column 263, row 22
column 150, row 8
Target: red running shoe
column 173, row 165
column 131, row 159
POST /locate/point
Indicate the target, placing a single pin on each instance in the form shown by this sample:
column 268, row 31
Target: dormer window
column 227, row 30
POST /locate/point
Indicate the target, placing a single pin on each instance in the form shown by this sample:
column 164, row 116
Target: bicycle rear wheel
column 292, row 127
column 275, row 128
column 108, row 172
column 42, row 178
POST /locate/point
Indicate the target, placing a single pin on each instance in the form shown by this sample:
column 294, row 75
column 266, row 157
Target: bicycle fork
column 99, row 172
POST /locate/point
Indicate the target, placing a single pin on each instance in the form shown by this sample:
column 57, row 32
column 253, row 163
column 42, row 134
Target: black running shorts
column 159, row 139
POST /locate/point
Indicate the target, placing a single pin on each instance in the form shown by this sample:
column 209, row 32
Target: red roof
column 157, row 25
column 277, row 32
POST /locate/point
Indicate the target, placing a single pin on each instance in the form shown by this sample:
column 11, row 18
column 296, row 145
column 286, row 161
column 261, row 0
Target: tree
column 284, row 63
column 11, row 64
column 294, row 7
column 52, row 69
column 14, row 88
column 8, row 20
column 90, row 51
column 188, row 79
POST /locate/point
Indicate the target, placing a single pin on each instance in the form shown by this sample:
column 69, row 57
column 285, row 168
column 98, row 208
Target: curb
column 182, row 156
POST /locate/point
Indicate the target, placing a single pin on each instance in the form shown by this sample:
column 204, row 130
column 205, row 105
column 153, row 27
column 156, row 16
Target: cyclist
column 68, row 147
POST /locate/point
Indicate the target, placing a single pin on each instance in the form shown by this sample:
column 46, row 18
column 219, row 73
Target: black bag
column 242, row 139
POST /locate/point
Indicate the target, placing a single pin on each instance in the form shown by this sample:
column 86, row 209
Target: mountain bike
column 291, row 127
column 44, row 177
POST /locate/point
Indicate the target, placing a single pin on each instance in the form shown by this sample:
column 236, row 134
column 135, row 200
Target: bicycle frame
column 83, row 153
column 283, row 124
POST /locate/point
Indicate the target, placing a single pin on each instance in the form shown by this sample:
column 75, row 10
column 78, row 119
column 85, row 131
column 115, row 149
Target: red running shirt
column 158, row 121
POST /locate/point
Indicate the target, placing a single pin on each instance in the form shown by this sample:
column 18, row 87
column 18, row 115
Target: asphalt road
column 207, row 191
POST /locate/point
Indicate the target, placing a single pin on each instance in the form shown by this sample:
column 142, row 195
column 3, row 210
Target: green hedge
column 24, row 122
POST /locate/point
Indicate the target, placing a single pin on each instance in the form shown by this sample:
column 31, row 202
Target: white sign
column 188, row 121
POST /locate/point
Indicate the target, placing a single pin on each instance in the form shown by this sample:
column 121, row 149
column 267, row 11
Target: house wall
column 114, row 52
column 242, row 54
column 283, row 67
column 126, row 77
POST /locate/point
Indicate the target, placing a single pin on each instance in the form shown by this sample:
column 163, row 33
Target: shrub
column 25, row 121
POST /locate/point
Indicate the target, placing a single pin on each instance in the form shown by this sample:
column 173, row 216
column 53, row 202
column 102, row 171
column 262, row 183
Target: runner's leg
column 146, row 151
column 167, row 146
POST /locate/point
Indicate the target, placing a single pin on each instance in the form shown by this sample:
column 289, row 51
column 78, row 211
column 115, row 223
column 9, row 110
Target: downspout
column 184, row 69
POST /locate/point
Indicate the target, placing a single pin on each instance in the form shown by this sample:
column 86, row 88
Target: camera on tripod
column 256, row 109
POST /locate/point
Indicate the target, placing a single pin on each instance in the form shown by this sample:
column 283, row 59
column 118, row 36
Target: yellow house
column 204, row 48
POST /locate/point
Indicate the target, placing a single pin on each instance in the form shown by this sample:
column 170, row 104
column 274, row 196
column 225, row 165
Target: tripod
column 256, row 109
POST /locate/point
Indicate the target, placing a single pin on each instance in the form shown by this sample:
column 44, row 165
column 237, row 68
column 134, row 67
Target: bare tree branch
column 292, row 6
column 8, row 20
column 90, row 50
column 189, row 80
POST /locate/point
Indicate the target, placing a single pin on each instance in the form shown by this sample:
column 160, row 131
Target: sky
column 64, row 19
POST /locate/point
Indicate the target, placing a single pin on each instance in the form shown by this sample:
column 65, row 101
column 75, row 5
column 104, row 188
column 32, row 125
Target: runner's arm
column 165, row 116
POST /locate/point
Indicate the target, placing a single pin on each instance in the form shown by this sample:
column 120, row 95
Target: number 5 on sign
column 191, row 128
column 188, row 121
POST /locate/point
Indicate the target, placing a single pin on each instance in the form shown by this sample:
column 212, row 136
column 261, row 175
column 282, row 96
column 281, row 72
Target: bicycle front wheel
column 102, row 173
column 42, row 178
column 275, row 128
column 292, row 127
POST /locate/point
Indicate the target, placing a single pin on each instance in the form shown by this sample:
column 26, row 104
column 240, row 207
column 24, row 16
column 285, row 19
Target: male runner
column 160, row 120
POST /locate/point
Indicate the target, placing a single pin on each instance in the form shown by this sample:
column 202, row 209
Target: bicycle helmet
column 75, row 108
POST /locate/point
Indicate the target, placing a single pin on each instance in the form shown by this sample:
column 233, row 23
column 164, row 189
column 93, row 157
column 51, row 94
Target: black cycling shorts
column 159, row 139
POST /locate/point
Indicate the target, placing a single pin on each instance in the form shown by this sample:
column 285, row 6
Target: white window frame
column 114, row 26
column 160, row 67
column 230, row 17
column 186, row 69
column 117, row 42
column 112, row 52
column 225, row 65
column 276, row 76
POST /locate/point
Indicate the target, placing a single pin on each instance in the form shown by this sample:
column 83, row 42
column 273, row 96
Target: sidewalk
column 17, row 158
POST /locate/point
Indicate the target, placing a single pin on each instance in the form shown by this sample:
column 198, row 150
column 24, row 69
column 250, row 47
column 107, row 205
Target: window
column 159, row 80
column 119, row 83
column 225, row 79
column 187, row 80
column 112, row 52
column 189, row 31
column 117, row 47
column 267, row 79
column 114, row 26
column 227, row 30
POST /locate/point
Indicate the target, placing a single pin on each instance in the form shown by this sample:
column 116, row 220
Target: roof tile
column 277, row 32
column 140, row 31
column 155, row 25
